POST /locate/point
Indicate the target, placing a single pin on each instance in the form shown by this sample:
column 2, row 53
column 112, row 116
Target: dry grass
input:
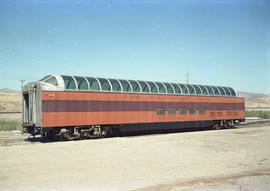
column 9, row 124
column 10, row 102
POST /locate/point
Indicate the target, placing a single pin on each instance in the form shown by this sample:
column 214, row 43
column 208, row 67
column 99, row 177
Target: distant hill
column 10, row 100
column 254, row 100
column 8, row 90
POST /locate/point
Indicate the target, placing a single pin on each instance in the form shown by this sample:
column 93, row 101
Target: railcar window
column 169, row 88
column 42, row 79
column 144, row 86
column 201, row 110
column 161, row 87
column 153, row 87
column 105, row 86
column 81, row 82
column 221, row 91
column 191, row 89
column 210, row 90
column 216, row 92
column 184, row 89
column 125, row 85
column 69, row 82
column 135, row 86
column 94, row 85
column 182, row 111
column 204, row 90
column 115, row 85
column 160, row 111
column 171, row 110
column 192, row 111
column 233, row 92
column 227, row 91
column 52, row 81
column 176, row 88
column 198, row 90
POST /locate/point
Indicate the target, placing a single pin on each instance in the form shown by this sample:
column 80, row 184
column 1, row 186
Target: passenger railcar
column 73, row 107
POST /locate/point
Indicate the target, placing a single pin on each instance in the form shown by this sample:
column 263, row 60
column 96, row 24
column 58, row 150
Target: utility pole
column 22, row 84
column 187, row 77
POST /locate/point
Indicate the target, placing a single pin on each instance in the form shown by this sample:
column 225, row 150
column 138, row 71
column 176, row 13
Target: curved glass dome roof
column 134, row 86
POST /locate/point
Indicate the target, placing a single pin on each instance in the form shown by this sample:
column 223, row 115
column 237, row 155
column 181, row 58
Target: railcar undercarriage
column 75, row 133
column 97, row 131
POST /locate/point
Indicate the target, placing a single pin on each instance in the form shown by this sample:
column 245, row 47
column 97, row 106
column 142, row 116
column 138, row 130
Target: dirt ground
column 232, row 159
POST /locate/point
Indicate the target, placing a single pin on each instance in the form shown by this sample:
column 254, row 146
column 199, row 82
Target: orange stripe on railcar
column 113, row 96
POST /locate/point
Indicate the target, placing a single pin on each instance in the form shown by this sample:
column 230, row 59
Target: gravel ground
column 232, row 159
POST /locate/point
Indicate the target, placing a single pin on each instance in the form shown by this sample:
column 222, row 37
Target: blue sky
column 221, row 42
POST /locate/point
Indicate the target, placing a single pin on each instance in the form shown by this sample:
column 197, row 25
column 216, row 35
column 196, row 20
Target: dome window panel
column 105, row 85
column 69, row 83
column 191, row 89
column 135, row 86
column 81, row 82
column 94, row 84
column 210, row 90
column 153, row 87
column 233, row 92
column 198, row 90
column 216, row 91
column 144, row 86
column 126, row 86
column 116, row 87
column 161, row 87
column 184, row 89
column 222, row 92
column 170, row 89
column 177, row 89
column 227, row 91
column 52, row 80
column 204, row 90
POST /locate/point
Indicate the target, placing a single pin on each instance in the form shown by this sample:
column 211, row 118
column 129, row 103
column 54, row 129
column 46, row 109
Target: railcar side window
column 198, row 90
column 182, row 111
column 161, row 87
column 105, row 86
column 227, row 91
column 160, row 111
column 94, row 85
column 176, row 88
column 201, row 110
column 191, row 89
column 153, row 87
column 171, row 110
column 192, row 111
column 233, row 92
column 169, row 88
column 125, row 85
column 115, row 85
column 44, row 78
column 204, row 90
column 184, row 89
column 82, row 84
column 216, row 92
column 69, row 82
column 144, row 86
column 210, row 90
column 52, row 81
column 221, row 91
column 135, row 86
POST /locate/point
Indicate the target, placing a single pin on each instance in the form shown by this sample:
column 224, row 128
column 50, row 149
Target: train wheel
column 216, row 127
column 51, row 135
column 105, row 132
